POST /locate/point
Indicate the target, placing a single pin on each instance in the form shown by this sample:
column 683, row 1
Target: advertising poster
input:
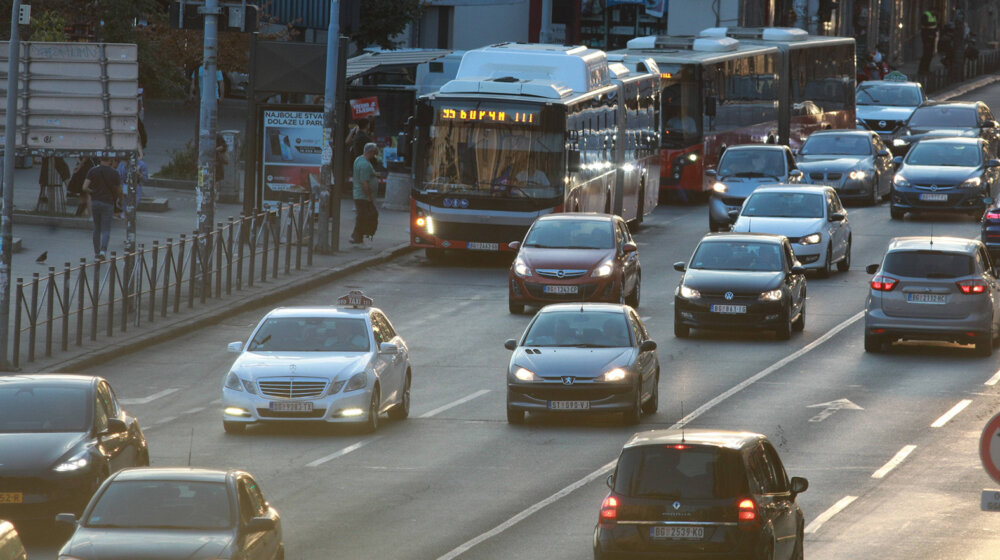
column 364, row 107
column 291, row 142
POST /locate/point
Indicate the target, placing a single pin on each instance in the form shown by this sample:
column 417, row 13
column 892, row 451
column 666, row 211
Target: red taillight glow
column 678, row 446
column 609, row 510
column 882, row 283
column 972, row 286
column 993, row 215
column 747, row 510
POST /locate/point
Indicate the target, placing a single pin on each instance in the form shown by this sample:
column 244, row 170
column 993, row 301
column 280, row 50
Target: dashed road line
column 951, row 413
column 342, row 452
column 894, row 462
column 993, row 380
column 828, row 514
column 150, row 398
column 195, row 410
column 453, row 404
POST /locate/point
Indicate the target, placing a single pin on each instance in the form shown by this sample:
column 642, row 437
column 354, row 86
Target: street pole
column 340, row 135
column 205, row 190
column 7, row 217
column 325, row 195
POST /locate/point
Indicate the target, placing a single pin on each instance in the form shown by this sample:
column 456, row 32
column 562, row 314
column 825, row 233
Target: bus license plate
column 11, row 497
column 562, row 289
column 290, row 406
column 728, row 309
column 934, row 197
column 926, row 298
column 569, row 405
column 476, row 246
column 678, row 532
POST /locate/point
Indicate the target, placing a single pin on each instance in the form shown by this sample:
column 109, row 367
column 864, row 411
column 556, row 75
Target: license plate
column 11, row 497
column 562, row 289
column 926, row 298
column 476, row 246
column 934, row 197
column 569, row 405
column 677, row 532
column 290, row 406
column 728, row 309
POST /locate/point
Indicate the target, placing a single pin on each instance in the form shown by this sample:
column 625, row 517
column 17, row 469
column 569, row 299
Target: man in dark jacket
column 103, row 187
column 928, row 37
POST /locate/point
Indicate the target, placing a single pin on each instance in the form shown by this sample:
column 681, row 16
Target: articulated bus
column 525, row 130
column 731, row 86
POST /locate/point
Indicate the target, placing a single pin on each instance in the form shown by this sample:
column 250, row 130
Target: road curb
column 967, row 87
column 121, row 346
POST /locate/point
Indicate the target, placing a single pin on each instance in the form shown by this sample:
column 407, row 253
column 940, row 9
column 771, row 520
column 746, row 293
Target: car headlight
column 689, row 293
column 900, row 181
column 811, row 239
column 521, row 268
column 233, row 382
column 335, row 387
column 899, row 142
column 357, row 381
column 606, row 268
column 617, row 374
column 720, row 188
column 771, row 295
column 857, row 175
column 525, row 375
column 76, row 463
column 972, row 182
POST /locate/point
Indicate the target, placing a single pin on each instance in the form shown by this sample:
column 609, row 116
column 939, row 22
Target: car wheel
column 827, row 262
column 633, row 298
column 515, row 308
column 650, row 406
column 874, row 343
column 766, row 551
column 402, row 410
column 632, row 416
column 514, row 416
column 875, row 196
column 280, row 555
column 234, row 427
column 845, row 263
column 371, row 424
column 798, row 552
column 622, row 298
column 984, row 348
column 799, row 324
column 896, row 213
column 143, row 459
column 784, row 332
column 681, row 331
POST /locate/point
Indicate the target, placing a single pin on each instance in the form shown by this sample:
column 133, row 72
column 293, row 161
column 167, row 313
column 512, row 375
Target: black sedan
column 741, row 280
column 60, row 437
column 590, row 357
column 971, row 119
column 945, row 175
column 177, row 514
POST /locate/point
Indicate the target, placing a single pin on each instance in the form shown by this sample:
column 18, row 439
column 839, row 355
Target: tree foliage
column 381, row 20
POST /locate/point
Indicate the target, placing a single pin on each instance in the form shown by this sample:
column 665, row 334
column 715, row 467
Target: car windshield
column 588, row 329
column 943, row 116
column 162, row 504
column 944, row 154
column 690, row 472
column 311, row 334
column 24, row 408
column 897, row 96
column 784, row 205
column 837, row 144
column 737, row 255
column 570, row 234
column 928, row 264
column 752, row 163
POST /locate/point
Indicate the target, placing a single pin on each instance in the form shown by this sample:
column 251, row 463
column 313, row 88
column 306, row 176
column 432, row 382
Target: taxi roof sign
column 896, row 76
column 356, row 299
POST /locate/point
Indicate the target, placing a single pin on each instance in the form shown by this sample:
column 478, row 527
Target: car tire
column 515, row 416
column 798, row 553
column 844, row 264
column 681, row 331
column 984, row 348
column 402, row 410
column 784, row 332
column 896, row 213
column 827, row 262
column 632, row 416
column 799, row 325
column 371, row 424
column 650, row 406
column 633, row 298
column 874, row 344
column 515, row 308
column 874, row 200
column 234, row 427
column 143, row 459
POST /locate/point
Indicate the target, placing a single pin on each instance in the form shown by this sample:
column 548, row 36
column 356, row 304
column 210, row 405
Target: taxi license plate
column 679, row 532
column 290, row 406
column 569, row 405
column 934, row 197
column 926, row 298
column 476, row 246
column 11, row 497
column 728, row 309
column 561, row 289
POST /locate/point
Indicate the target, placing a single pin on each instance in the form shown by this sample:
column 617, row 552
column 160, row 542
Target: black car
column 176, row 514
column 741, row 280
column 700, row 494
column 971, row 119
column 591, row 357
column 944, row 175
column 60, row 437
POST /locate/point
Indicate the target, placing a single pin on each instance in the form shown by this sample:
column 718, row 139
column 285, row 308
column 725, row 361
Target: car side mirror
column 510, row 344
column 388, row 348
column 679, row 266
column 514, row 245
column 838, row 217
column 629, row 247
column 798, row 269
column 897, row 161
column 116, row 426
column 871, row 269
column 67, row 518
column 733, row 214
column 235, row 347
column 993, row 163
column 573, row 161
column 711, row 173
column 884, row 153
column 795, row 174
column 610, row 481
column 988, row 201
column 799, row 485
column 647, row 346
column 988, row 124
column 260, row 524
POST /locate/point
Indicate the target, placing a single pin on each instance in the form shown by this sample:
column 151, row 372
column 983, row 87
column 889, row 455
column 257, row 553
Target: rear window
column 928, row 264
column 695, row 472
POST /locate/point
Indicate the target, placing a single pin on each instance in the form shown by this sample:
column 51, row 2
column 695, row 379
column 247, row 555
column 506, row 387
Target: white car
column 337, row 364
column 811, row 217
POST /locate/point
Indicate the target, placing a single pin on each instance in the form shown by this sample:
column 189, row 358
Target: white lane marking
column 163, row 421
column 894, row 462
column 195, row 410
column 826, row 515
column 832, row 407
column 342, row 452
column 150, row 398
column 951, row 413
column 464, row 547
column 453, row 404
column 219, row 401
column 607, row 468
column 993, row 380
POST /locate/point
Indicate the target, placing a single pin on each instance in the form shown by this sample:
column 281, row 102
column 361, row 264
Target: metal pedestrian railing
column 988, row 62
column 102, row 297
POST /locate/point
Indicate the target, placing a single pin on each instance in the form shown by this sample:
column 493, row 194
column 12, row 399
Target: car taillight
column 972, row 286
column 609, row 511
column 882, row 283
column 747, row 513
column 993, row 215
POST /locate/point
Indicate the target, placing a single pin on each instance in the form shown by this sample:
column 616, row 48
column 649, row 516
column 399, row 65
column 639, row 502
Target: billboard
column 74, row 98
column 291, row 147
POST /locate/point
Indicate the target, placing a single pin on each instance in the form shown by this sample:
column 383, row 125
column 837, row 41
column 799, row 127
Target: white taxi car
column 343, row 363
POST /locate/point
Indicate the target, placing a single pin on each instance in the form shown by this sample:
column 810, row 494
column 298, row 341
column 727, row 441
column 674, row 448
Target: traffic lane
column 990, row 95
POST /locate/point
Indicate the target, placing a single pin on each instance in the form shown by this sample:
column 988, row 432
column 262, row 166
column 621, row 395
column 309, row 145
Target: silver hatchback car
column 933, row 288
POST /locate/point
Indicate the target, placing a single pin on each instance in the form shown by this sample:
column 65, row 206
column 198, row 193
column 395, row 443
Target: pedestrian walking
column 143, row 175
column 928, row 38
column 103, row 187
column 75, row 186
column 359, row 137
column 365, row 185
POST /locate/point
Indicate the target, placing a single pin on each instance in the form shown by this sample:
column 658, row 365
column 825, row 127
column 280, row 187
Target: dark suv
column 700, row 494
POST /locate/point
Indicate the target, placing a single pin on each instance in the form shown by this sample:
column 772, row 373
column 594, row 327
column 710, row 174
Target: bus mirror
column 573, row 161
column 710, row 106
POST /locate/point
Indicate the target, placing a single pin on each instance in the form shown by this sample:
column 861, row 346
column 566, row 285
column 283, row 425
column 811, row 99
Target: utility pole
column 205, row 193
column 7, row 217
column 325, row 195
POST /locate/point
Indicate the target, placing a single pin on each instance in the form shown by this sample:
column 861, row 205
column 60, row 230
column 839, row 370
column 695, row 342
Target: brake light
column 747, row 513
column 609, row 511
column 678, row 446
column 882, row 283
column 993, row 215
column 972, row 286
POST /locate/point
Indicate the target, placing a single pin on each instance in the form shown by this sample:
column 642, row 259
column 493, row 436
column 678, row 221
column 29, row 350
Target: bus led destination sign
column 489, row 116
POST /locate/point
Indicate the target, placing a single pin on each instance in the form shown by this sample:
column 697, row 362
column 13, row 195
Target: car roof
column 49, row 379
column 321, row 311
column 742, row 236
column 800, row 189
column 728, row 439
column 756, row 147
column 889, row 83
column 578, row 216
column 174, row 473
column 935, row 243
column 583, row 307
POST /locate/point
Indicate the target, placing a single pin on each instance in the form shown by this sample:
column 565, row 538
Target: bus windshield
column 494, row 159
column 681, row 105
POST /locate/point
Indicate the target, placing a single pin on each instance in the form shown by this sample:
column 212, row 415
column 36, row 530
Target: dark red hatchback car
column 575, row 257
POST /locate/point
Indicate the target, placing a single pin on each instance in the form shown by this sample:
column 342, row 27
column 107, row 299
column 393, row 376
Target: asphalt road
column 897, row 477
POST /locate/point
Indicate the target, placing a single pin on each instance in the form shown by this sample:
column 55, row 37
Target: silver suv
column 933, row 288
